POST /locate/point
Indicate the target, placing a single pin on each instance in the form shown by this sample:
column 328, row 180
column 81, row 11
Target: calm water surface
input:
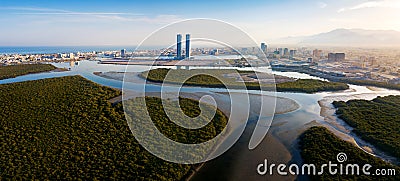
column 285, row 128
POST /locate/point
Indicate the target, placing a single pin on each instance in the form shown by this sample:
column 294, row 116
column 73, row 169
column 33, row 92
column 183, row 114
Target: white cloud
column 31, row 9
column 373, row 4
column 77, row 13
column 80, row 16
column 160, row 19
column 322, row 5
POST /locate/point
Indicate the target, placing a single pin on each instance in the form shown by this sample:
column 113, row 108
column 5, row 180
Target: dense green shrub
column 371, row 83
column 65, row 128
column 376, row 121
column 203, row 78
column 319, row 146
column 310, row 86
column 12, row 71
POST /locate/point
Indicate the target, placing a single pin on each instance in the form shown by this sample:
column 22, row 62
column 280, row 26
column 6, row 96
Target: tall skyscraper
column 123, row 51
column 286, row 51
column 280, row 51
column 292, row 53
column 264, row 47
column 317, row 54
column 179, row 46
column 187, row 51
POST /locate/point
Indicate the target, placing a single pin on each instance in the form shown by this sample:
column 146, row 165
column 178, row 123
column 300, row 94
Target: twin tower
column 179, row 47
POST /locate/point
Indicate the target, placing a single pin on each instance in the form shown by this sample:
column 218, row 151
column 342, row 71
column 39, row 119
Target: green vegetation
column 12, row 71
column 371, row 83
column 310, row 86
column 172, row 130
column 334, row 78
column 204, row 78
column 376, row 121
column 319, row 146
column 65, row 128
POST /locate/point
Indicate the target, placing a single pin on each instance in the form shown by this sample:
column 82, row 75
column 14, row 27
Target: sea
column 59, row 49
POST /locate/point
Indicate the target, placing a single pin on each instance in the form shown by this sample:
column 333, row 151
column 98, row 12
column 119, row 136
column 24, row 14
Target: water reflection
column 313, row 109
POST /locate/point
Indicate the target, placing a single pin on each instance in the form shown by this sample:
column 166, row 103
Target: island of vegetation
column 335, row 78
column 310, row 86
column 251, row 81
column 12, row 71
column 66, row 128
column 386, row 85
column 319, row 146
column 376, row 121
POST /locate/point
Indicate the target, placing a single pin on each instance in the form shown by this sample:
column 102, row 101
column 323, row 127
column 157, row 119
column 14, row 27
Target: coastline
column 26, row 69
column 308, row 86
column 345, row 132
column 357, row 91
column 194, row 96
column 279, row 152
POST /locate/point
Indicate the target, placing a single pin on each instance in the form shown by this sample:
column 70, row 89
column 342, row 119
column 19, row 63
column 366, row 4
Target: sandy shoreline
column 341, row 129
column 227, row 166
column 271, row 147
column 283, row 105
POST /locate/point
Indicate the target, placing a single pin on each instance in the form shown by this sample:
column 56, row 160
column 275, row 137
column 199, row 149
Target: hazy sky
column 97, row 22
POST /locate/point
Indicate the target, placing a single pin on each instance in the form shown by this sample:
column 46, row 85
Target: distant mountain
column 348, row 37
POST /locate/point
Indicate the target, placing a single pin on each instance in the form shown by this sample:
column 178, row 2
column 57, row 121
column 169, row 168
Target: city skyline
column 73, row 23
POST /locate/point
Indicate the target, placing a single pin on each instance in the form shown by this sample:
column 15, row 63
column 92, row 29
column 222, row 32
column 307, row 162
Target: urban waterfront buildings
column 286, row 51
column 179, row 46
column 123, row 52
column 317, row 54
column 264, row 47
column 336, row 57
column 187, row 51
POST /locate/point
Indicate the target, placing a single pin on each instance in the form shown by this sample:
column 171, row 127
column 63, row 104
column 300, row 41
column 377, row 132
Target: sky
column 128, row 22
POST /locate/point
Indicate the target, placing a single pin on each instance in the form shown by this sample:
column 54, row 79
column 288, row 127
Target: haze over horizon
column 75, row 23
